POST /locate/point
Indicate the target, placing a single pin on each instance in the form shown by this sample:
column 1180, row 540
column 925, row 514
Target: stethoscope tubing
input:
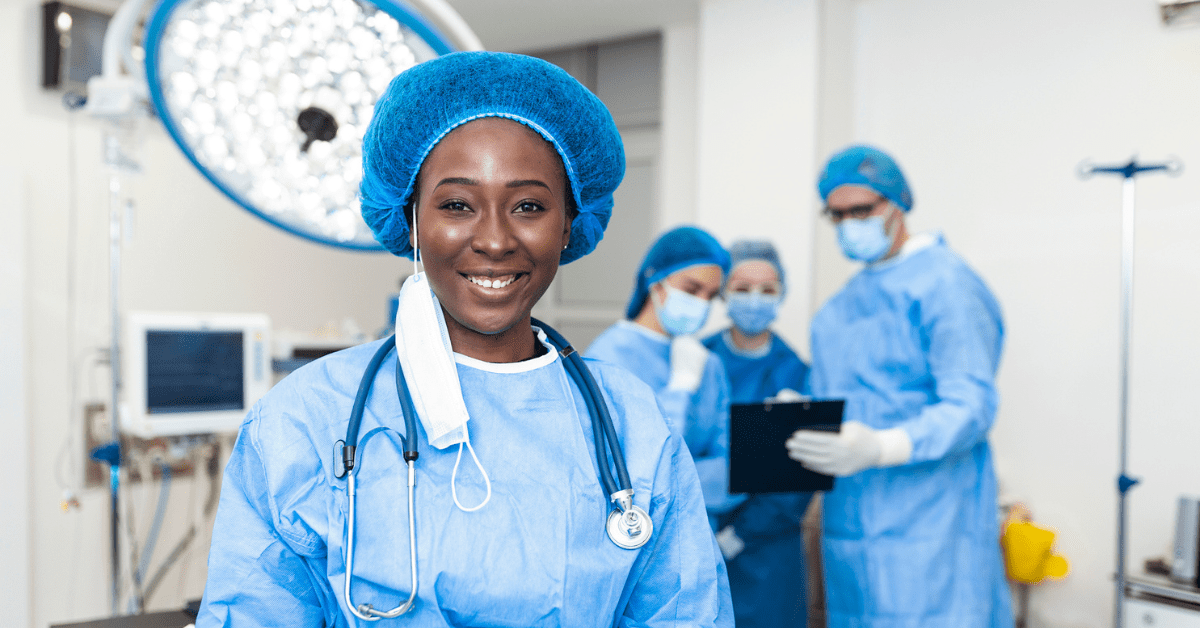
column 350, row 445
column 365, row 611
column 597, row 408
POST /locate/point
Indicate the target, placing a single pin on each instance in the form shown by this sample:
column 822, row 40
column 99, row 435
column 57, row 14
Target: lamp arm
column 118, row 42
column 449, row 21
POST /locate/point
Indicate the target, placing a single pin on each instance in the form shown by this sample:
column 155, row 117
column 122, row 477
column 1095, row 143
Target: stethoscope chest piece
column 631, row 528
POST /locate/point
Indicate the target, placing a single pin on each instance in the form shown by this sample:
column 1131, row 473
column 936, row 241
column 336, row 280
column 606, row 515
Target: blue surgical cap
column 869, row 167
column 431, row 99
column 756, row 251
column 675, row 250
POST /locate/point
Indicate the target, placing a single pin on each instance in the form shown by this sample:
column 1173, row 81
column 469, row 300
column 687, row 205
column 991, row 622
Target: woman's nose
column 494, row 235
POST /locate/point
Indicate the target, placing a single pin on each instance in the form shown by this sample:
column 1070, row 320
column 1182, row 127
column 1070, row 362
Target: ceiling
column 525, row 25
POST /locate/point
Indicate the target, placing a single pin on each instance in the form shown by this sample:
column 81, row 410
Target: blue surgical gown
column 768, row 578
column 536, row 554
column 700, row 417
column 914, row 343
column 759, row 374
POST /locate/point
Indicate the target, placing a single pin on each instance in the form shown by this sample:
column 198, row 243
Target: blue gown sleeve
column 676, row 585
column 256, row 577
column 962, row 332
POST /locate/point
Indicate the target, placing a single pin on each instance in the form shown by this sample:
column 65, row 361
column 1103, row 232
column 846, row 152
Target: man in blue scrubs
column 912, row 343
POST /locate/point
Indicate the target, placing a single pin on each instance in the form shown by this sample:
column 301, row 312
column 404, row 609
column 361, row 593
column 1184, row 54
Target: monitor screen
column 194, row 371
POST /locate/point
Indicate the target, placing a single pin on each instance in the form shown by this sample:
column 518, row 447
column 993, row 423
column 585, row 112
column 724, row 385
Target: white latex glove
column 855, row 448
column 688, row 358
column 786, row 395
column 730, row 543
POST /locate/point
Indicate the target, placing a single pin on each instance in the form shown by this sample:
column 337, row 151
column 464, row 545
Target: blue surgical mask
column 681, row 313
column 865, row 239
column 753, row 312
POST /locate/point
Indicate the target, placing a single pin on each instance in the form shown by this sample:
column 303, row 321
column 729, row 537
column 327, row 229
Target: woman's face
column 702, row 280
column 492, row 223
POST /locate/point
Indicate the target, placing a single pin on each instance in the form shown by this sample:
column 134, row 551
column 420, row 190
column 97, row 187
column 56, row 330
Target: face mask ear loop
column 454, row 474
column 656, row 302
column 891, row 233
column 418, row 267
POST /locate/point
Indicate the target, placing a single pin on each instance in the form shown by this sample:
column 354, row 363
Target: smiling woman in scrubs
column 506, row 166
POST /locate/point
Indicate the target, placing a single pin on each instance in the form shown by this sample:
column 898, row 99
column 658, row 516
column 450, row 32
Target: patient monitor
column 191, row 373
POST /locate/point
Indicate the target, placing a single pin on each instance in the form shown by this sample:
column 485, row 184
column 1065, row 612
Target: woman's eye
column 528, row 207
column 741, row 289
column 455, row 206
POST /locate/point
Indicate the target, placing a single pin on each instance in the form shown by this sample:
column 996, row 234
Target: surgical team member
column 505, row 167
column 912, row 343
column 673, row 290
column 762, row 538
column 758, row 362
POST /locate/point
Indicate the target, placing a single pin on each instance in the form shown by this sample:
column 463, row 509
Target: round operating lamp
column 269, row 99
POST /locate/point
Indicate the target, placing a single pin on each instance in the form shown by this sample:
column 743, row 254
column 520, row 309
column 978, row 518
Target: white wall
column 756, row 120
column 677, row 180
column 989, row 107
column 190, row 249
column 14, row 491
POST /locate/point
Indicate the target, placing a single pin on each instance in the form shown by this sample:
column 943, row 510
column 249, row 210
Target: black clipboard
column 758, row 460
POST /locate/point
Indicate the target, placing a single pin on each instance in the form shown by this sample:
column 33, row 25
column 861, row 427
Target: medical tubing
column 610, row 430
column 410, row 415
column 597, row 407
column 360, row 402
column 598, row 442
column 560, row 343
column 366, row 612
column 160, row 512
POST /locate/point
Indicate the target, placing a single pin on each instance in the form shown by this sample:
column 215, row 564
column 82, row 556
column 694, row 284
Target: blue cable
column 160, row 513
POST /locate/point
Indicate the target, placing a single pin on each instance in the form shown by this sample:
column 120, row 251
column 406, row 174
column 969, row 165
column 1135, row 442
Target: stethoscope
column 628, row 525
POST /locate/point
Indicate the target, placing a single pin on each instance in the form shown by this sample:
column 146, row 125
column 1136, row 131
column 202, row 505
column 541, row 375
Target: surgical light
column 269, row 99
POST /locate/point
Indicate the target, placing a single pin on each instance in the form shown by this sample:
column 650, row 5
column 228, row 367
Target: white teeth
column 492, row 283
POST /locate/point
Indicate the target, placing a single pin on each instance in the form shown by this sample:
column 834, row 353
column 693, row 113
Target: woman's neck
column 749, row 343
column 648, row 318
column 515, row 344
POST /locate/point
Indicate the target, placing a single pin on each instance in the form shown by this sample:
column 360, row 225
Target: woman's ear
column 657, row 288
column 567, row 224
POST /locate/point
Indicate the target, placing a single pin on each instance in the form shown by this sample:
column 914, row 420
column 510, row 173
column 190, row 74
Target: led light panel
column 270, row 99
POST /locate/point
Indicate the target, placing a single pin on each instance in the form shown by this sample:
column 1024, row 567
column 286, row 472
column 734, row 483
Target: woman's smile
column 494, row 283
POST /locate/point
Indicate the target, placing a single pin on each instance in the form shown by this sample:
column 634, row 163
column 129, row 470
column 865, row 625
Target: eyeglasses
column 857, row 212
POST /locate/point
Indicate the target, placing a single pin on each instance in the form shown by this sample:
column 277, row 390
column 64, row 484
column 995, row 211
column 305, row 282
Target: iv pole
column 1124, row 482
column 117, row 95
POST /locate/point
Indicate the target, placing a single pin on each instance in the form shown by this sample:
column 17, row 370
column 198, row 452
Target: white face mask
column 427, row 359
column 422, row 339
column 865, row 239
column 680, row 313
